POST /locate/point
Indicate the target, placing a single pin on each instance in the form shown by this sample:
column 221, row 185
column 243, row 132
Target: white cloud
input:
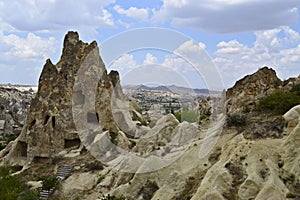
column 291, row 56
column 182, row 56
column 225, row 16
column 189, row 61
column 41, row 15
column 32, row 47
column 231, row 47
column 133, row 12
column 150, row 59
column 22, row 56
column 124, row 63
column 190, row 47
column 270, row 49
column 291, row 35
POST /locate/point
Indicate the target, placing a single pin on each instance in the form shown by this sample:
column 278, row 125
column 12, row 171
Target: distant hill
column 171, row 88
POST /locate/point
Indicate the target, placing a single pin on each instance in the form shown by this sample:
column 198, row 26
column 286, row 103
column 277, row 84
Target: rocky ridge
column 237, row 167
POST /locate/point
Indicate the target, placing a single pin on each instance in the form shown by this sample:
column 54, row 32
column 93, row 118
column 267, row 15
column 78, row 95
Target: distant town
column 161, row 100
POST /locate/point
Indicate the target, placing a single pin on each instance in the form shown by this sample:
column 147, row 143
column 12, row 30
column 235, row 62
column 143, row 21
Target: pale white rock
column 270, row 192
column 141, row 131
column 184, row 134
column 293, row 116
column 290, row 152
column 79, row 182
column 122, row 117
column 34, row 184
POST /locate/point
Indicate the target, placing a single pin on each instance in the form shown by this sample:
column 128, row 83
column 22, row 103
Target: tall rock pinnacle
column 50, row 127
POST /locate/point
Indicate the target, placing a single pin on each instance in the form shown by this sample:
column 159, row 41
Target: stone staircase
column 44, row 194
column 62, row 173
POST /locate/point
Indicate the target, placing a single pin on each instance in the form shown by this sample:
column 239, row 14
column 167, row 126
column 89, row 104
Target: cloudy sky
column 236, row 37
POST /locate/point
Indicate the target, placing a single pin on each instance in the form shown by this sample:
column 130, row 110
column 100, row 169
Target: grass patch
column 187, row 115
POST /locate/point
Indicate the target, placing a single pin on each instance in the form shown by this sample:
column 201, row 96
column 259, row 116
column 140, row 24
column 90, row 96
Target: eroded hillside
column 80, row 118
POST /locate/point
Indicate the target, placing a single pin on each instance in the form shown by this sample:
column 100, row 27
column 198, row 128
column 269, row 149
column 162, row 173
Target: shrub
column 296, row 88
column 7, row 139
column 108, row 197
column 10, row 138
column 56, row 159
column 279, row 102
column 12, row 187
column 49, row 182
column 236, row 120
column 30, row 195
column 2, row 146
column 95, row 166
column 290, row 195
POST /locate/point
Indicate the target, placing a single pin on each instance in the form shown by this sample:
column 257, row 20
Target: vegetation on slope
column 12, row 187
column 190, row 116
column 279, row 102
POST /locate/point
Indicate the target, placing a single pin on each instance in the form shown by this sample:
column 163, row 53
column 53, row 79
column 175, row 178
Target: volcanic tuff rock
column 288, row 84
column 14, row 104
column 249, row 89
column 68, row 89
column 235, row 167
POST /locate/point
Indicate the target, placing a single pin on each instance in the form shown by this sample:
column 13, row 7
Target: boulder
column 159, row 136
column 78, row 183
column 292, row 116
column 34, row 184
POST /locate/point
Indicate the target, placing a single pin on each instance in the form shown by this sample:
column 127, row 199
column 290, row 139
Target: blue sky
column 238, row 37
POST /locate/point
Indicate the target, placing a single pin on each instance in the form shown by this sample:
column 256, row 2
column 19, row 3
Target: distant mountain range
column 171, row 88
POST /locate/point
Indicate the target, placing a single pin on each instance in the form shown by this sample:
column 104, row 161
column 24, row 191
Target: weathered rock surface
column 72, row 109
column 293, row 116
column 290, row 83
column 14, row 105
column 77, row 183
column 249, row 89
column 73, row 96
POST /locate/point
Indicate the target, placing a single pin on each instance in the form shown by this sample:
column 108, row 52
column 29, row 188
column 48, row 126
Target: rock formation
column 13, row 110
column 249, row 89
column 79, row 104
column 73, row 95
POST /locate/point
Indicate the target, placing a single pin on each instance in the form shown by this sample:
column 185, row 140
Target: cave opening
column 22, row 148
column 32, row 123
column 72, row 143
column 46, row 119
column 53, row 121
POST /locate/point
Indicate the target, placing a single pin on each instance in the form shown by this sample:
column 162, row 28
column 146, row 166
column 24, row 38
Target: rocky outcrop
column 247, row 91
column 73, row 96
column 14, row 105
column 290, row 83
